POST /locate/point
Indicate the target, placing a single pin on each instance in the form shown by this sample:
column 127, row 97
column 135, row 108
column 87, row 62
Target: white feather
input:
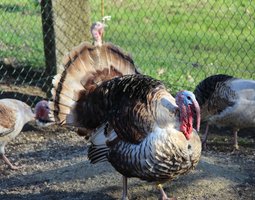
column 99, row 137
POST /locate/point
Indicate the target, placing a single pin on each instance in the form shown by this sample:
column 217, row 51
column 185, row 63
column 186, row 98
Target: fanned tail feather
column 205, row 88
column 85, row 68
column 98, row 149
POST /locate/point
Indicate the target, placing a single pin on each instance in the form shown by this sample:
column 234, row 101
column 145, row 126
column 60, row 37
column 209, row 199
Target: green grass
column 21, row 32
column 189, row 40
column 179, row 42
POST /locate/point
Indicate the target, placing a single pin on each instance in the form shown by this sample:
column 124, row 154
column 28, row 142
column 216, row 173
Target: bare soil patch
column 55, row 166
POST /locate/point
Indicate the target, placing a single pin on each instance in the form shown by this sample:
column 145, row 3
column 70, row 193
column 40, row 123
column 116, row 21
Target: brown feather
column 7, row 117
column 126, row 103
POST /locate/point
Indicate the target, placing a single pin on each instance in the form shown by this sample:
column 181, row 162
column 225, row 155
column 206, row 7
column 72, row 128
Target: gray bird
column 228, row 102
column 14, row 114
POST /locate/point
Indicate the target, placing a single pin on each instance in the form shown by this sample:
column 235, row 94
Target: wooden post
column 48, row 37
column 71, row 25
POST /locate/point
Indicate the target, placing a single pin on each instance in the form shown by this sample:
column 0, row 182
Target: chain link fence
column 179, row 42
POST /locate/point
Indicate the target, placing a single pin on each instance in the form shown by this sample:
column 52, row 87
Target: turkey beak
column 197, row 110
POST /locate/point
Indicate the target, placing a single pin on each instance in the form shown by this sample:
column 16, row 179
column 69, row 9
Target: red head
column 97, row 30
column 187, row 104
column 42, row 111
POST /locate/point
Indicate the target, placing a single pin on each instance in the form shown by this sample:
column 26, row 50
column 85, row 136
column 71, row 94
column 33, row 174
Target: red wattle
column 186, row 121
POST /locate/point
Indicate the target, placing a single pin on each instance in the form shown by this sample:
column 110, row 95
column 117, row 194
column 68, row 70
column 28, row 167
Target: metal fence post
column 48, row 37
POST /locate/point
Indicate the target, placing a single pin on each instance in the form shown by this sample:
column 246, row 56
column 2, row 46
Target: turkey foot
column 163, row 194
column 9, row 163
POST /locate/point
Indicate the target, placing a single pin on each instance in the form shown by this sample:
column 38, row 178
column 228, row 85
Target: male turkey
column 226, row 101
column 14, row 114
column 130, row 119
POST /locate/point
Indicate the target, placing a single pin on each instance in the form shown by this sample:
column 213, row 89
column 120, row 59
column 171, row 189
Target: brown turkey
column 226, row 101
column 14, row 114
column 130, row 119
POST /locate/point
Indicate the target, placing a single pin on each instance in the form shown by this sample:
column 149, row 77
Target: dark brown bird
column 130, row 119
column 226, row 101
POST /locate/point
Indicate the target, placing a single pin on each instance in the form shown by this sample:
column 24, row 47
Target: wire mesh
column 179, row 42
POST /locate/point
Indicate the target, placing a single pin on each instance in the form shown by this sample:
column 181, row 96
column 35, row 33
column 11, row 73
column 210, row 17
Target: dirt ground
column 55, row 166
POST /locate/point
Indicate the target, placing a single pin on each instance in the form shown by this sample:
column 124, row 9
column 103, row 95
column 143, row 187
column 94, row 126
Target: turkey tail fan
column 85, row 68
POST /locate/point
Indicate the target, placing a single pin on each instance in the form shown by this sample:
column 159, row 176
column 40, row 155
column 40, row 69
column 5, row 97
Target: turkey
column 130, row 119
column 226, row 101
column 42, row 111
column 97, row 31
column 14, row 114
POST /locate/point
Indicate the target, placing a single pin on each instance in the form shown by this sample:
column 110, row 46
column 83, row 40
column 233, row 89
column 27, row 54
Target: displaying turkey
column 226, row 101
column 14, row 114
column 130, row 119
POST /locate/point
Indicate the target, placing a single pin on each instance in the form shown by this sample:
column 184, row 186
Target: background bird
column 130, row 119
column 14, row 114
column 97, row 31
column 226, row 101
column 42, row 111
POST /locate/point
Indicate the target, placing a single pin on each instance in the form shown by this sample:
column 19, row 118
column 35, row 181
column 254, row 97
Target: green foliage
column 21, row 36
column 182, row 42
column 179, row 42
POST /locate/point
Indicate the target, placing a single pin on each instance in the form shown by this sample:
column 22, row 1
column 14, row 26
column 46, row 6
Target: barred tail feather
column 97, row 154
column 98, row 149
